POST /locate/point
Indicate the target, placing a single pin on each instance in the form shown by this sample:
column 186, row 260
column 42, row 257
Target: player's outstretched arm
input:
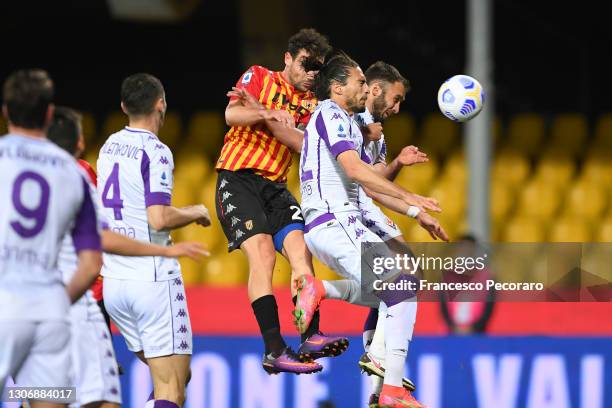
column 425, row 220
column 118, row 244
column 365, row 175
column 165, row 217
column 238, row 114
column 90, row 262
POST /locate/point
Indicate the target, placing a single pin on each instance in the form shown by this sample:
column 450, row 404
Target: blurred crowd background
column 551, row 173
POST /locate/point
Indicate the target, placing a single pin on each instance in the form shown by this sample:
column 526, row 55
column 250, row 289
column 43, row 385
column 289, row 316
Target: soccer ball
column 460, row 98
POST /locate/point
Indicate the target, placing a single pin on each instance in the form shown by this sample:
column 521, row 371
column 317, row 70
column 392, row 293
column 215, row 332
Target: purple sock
column 151, row 396
column 372, row 319
column 165, row 404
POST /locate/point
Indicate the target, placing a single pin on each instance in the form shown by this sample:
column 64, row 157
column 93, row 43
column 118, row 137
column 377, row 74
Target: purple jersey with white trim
column 135, row 172
column 44, row 196
column 325, row 186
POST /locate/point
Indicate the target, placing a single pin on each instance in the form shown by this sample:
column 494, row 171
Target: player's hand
column 411, row 155
column 245, row 98
column 282, row 116
column 193, row 250
column 426, row 203
column 204, row 216
column 432, row 226
column 372, row 132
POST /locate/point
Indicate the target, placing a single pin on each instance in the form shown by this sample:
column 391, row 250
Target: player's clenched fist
column 204, row 219
column 373, row 131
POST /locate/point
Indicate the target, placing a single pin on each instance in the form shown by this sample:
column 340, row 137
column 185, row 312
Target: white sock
column 349, row 291
column 399, row 326
column 377, row 348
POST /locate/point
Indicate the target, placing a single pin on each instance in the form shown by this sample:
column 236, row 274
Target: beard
column 357, row 105
column 378, row 107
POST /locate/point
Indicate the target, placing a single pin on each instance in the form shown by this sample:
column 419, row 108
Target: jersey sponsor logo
column 247, row 77
column 239, row 234
column 283, row 102
column 249, row 225
column 235, row 220
column 226, row 195
column 230, row 208
column 223, row 183
column 336, row 115
column 163, row 160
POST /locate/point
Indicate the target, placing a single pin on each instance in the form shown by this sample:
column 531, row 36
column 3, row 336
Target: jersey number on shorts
column 116, row 203
column 297, row 215
column 36, row 213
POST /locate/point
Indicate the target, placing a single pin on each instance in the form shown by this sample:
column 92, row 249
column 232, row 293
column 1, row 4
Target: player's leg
column 169, row 375
column 94, row 364
column 314, row 343
column 241, row 209
column 48, row 362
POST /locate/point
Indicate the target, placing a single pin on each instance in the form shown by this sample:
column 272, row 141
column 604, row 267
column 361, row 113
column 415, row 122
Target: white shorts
column 373, row 218
column 95, row 373
column 151, row 316
column 35, row 354
column 337, row 242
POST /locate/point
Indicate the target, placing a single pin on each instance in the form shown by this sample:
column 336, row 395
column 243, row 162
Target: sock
column 399, row 326
column 165, row 404
column 314, row 324
column 377, row 347
column 368, row 328
column 266, row 313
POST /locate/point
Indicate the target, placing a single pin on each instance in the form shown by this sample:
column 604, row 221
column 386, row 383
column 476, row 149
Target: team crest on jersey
column 307, row 104
column 247, row 77
column 248, row 225
column 390, row 223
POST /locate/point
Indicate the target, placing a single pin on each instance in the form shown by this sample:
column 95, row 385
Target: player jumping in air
column 258, row 214
column 95, row 370
column 145, row 296
column 43, row 196
column 332, row 170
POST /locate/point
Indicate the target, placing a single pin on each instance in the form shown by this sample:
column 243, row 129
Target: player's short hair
column 140, row 92
column 309, row 39
column 383, row 72
column 335, row 69
column 65, row 129
column 27, row 94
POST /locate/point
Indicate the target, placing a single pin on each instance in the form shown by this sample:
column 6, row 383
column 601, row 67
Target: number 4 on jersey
column 116, row 203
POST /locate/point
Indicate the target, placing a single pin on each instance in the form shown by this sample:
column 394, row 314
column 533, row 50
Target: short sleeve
column 156, row 167
column 334, row 127
column 85, row 233
column 251, row 80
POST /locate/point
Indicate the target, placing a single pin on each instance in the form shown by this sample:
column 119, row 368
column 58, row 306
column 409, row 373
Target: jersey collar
column 139, row 130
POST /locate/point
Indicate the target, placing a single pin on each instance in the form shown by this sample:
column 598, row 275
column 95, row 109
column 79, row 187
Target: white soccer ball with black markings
column 460, row 98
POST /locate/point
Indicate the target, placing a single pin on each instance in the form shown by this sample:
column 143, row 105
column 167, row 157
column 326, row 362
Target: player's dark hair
column 335, row 69
column 309, row 39
column 140, row 92
column 27, row 94
column 381, row 71
column 65, row 129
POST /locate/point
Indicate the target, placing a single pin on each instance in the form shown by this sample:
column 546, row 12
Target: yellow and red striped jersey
column 254, row 147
